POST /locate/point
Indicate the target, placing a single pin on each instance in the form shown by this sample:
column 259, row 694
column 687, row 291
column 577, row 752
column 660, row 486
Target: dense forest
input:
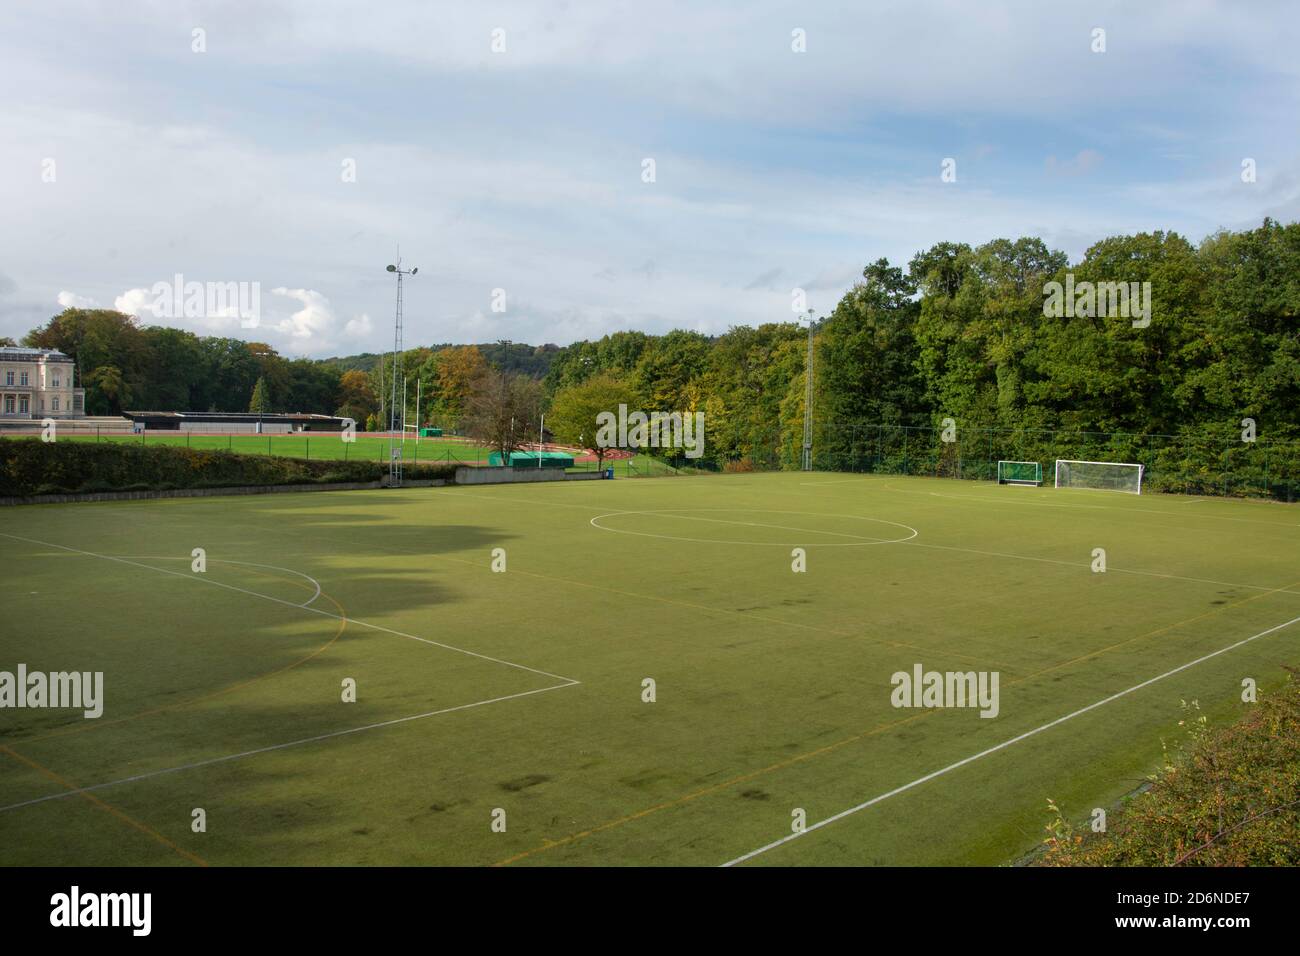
column 959, row 333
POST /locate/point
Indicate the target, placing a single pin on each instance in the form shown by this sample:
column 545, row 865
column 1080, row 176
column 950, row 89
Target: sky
column 562, row 170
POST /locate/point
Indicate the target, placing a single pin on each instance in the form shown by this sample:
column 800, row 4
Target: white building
column 38, row 383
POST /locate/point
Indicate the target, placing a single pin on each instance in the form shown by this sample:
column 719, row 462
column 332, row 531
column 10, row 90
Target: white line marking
column 248, row 564
column 1120, row 507
column 870, row 479
column 268, row 597
column 1074, row 564
column 1002, row 746
column 273, row 747
column 677, row 513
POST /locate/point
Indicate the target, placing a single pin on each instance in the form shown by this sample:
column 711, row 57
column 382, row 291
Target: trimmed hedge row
column 29, row 467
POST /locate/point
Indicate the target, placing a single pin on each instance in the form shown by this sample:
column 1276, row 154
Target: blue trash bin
column 609, row 472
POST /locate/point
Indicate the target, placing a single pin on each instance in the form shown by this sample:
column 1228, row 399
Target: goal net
column 1099, row 475
column 1020, row 473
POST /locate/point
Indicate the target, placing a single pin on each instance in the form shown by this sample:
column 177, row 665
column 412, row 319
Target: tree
column 503, row 411
column 357, row 399
column 107, row 393
column 865, row 366
column 261, row 401
column 459, row 371
column 574, row 409
column 668, row 366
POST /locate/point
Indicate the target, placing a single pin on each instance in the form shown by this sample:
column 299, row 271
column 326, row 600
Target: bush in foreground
column 31, row 467
column 1231, row 799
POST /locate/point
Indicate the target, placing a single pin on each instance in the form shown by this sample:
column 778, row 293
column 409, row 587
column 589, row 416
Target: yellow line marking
column 106, row 807
column 548, row 844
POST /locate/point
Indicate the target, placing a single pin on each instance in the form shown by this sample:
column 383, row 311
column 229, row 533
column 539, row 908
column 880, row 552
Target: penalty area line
column 274, row 747
column 1002, row 746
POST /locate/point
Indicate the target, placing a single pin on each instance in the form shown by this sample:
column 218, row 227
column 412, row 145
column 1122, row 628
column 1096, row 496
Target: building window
column 24, row 404
column 56, row 382
column 9, row 404
column 22, row 378
column 54, row 403
column 9, row 378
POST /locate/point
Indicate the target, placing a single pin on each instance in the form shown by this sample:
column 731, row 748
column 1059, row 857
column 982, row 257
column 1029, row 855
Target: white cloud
column 315, row 320
column 137, row 302
column 522, row 172
column 70, row 300
column 359, row 328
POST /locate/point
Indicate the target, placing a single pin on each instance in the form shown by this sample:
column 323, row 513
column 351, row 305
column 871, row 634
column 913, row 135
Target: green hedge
column 1231, row 798
column 29, row 466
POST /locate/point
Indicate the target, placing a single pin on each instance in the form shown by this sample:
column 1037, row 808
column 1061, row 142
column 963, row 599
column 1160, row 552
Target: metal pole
column 808, row 399
column 394, row 419
column 540, row 432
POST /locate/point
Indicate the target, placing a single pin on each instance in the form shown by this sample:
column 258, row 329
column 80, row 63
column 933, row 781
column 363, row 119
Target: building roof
column 234, row 416
column 20, row 353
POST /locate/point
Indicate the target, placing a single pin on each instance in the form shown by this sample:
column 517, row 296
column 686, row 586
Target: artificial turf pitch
column 522, row 691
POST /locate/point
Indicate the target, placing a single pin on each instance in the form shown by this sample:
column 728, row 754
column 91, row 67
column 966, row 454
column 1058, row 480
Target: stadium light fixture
column 394, row 421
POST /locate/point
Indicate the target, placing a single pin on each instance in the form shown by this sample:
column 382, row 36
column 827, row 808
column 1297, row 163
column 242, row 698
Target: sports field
column 319, row 445
column 522, row 691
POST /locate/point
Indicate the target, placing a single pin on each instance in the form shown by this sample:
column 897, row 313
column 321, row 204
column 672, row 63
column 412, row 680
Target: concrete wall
column 466, row 475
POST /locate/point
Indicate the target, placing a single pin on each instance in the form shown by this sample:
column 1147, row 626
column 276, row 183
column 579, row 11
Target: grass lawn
column 318, row 445
column 522, row 691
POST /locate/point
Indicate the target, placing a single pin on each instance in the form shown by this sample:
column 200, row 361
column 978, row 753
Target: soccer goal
column 1020, row 473
column 1100, row 475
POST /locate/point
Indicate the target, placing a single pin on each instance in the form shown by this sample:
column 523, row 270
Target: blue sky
column 522, row 170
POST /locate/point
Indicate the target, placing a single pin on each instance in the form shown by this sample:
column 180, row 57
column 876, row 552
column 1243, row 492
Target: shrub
column 29, row 466
column 1232, row 798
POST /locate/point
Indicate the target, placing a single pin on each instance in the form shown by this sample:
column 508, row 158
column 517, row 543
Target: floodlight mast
column 808, row 397
column 396, row 419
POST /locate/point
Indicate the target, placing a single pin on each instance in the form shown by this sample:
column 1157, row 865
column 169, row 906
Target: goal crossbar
column 1122, row 476
column 1020, row 473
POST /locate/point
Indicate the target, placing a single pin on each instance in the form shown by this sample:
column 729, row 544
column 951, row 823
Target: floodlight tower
column 396, row 419
column 808, row 397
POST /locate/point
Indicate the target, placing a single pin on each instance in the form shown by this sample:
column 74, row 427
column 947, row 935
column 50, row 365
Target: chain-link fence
column 1187, row 464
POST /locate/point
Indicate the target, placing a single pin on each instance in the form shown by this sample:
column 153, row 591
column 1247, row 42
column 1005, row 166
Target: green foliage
column 1228, row 797
column 29, row 466
column 960, row 333
column 261, row 401
column 575, row 408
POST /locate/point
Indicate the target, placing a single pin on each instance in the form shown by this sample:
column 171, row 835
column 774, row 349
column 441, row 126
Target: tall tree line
column 959, row 332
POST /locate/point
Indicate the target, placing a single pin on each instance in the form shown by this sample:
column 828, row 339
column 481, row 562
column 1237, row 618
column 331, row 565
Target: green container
column 528, row 459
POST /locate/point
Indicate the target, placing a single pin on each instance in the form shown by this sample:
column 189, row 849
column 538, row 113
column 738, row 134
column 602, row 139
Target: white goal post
column 1100, row 475
column 1020, row 473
